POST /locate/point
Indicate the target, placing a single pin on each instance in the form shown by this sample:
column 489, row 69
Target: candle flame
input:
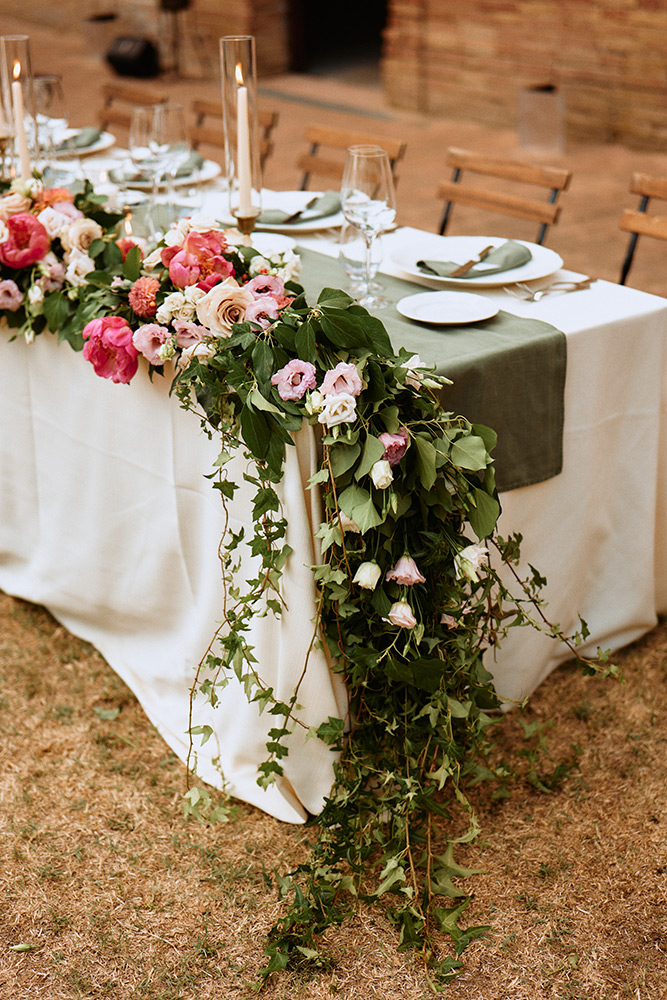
column 128, row 224
column 239, row 75
column 16, row 72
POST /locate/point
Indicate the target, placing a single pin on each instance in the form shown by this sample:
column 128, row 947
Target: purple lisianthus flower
column 394, row 445
column 11, row 296
column 187, row 333
column 344, row 378
column 294, row 379
column 263, row 310
column 149, row 340
column 266, row 284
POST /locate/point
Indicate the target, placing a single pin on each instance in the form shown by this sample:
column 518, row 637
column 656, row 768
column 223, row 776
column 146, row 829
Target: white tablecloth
column 106, row 518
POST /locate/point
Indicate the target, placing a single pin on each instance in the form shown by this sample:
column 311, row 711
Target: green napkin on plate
column 82, row 139
column 129, row 174
column 503, row 258
column 319, row 208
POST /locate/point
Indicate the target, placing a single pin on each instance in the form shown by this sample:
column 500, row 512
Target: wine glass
column 51, row 112
column 352, row 255
column 369, row 202
column 172, row 135
column 148, row 153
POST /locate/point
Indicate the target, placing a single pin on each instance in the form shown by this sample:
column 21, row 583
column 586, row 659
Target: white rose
column 80, row 234
column 222, row 306
column 469, row 560
column 338, row 409
column 78, row 266
column 54, row 222
column 175, row 306
column 13, row 203
column 381, row 474
column 291, row 266
column 367, row 575
column 153, row 259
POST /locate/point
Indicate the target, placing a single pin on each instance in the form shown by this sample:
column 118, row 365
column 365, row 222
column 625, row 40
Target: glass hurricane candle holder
column 239, row 107
column 18, row 101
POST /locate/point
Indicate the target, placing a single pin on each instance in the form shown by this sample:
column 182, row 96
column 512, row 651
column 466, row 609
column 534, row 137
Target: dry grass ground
column 120, row 897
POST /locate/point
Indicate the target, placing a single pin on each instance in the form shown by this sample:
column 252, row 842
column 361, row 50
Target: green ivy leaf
column 485, row 514
column 469, row 452
column 372, row 453
column 357, row 503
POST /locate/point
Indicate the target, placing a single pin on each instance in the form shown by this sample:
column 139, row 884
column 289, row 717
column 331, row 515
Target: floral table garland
column 408, row 597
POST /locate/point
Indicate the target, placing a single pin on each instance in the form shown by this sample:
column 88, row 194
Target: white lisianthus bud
column 381, row 474
column 401, row 614
column 469, row 560
column 367, row 575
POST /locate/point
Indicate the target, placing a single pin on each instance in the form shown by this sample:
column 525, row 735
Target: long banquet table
column 107, row 520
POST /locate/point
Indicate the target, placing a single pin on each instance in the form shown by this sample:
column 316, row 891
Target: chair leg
column 627, row 263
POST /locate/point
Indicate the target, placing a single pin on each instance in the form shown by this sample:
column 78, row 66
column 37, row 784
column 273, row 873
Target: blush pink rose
column 109, row 348
column 142, row 296
column 294, row 379
column 405, row 572
column 27, row 242
column 149, row 339
column 394, row 445
column 11, row 296
column 344, row 378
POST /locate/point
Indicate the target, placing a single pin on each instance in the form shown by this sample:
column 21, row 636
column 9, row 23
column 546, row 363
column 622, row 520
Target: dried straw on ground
column 118, row 896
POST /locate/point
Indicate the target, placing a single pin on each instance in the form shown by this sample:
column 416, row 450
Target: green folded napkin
column 82, row 139
column 503, row 258
column 129, row 174
column 327, row 204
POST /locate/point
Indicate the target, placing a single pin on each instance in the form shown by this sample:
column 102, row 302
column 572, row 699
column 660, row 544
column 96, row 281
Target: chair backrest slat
column 638, row 222
column 337, row 141
column 543, row 211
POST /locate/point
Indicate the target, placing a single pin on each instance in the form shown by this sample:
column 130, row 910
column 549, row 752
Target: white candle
column 243, row 149
column 19, row 125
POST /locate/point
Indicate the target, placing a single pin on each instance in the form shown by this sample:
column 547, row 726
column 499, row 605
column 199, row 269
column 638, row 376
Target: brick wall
column 608, row 58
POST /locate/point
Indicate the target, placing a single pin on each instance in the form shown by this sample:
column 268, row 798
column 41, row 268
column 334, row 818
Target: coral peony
column 27, row 241
column 142, row 296
column 109, row 348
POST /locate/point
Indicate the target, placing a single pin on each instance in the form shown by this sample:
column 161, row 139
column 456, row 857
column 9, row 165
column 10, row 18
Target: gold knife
column 469, row 264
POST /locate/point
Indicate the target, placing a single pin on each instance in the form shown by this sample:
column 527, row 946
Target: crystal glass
column 352, row 255
column 173, row 137
column 149, row 152
column 50, row 114
column 369, row 202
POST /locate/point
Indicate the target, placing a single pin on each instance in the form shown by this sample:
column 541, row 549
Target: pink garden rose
column 142, row 296
column 11, row 296
column 26, row 243
column 343, row 378
column 294, row 379
column 401, row 614
column 394, row 445
column 405, row 572
column 109, row 348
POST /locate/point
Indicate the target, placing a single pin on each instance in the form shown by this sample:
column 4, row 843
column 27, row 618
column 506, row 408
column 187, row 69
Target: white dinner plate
column 268, row 243
column 543, row 262
column 105, row 141
column 446, row 308
column 292, row 201
column 208, row 170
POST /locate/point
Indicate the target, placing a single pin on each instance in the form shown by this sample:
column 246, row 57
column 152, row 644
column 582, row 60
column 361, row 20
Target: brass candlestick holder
column 239, row 106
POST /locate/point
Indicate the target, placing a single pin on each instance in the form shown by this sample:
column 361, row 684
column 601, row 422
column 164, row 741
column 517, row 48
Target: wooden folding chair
column 555, row 179
column 638, row 222
column 208, row 131
column 120, row 99
column 336, row 141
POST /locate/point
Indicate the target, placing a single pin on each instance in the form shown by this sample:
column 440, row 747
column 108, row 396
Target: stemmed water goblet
column 158, row 147
column 368, row 201
column 51, row 113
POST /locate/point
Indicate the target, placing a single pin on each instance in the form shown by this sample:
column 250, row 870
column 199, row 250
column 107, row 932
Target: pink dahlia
column 142, row 296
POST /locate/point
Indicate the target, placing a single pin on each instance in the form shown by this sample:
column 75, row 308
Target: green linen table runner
column 508, row 373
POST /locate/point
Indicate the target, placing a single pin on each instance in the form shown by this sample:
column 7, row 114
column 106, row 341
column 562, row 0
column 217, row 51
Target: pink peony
column 125, row 244
column 344, row 378
column 149, row 339
column 11, row 296
column 293, row 380
column 394, row 445
column 109, row 348
column 266, row 284
column 26, row 243
column 405, row 572
column 401, row 614
column 198, row 261
column 264, row 310
column 187, row 333
column 142, row 296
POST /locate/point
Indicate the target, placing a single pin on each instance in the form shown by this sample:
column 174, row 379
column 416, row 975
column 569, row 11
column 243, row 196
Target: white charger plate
column 446, row 308
column 543, row 262
column 292, row 201
column 105, row 141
